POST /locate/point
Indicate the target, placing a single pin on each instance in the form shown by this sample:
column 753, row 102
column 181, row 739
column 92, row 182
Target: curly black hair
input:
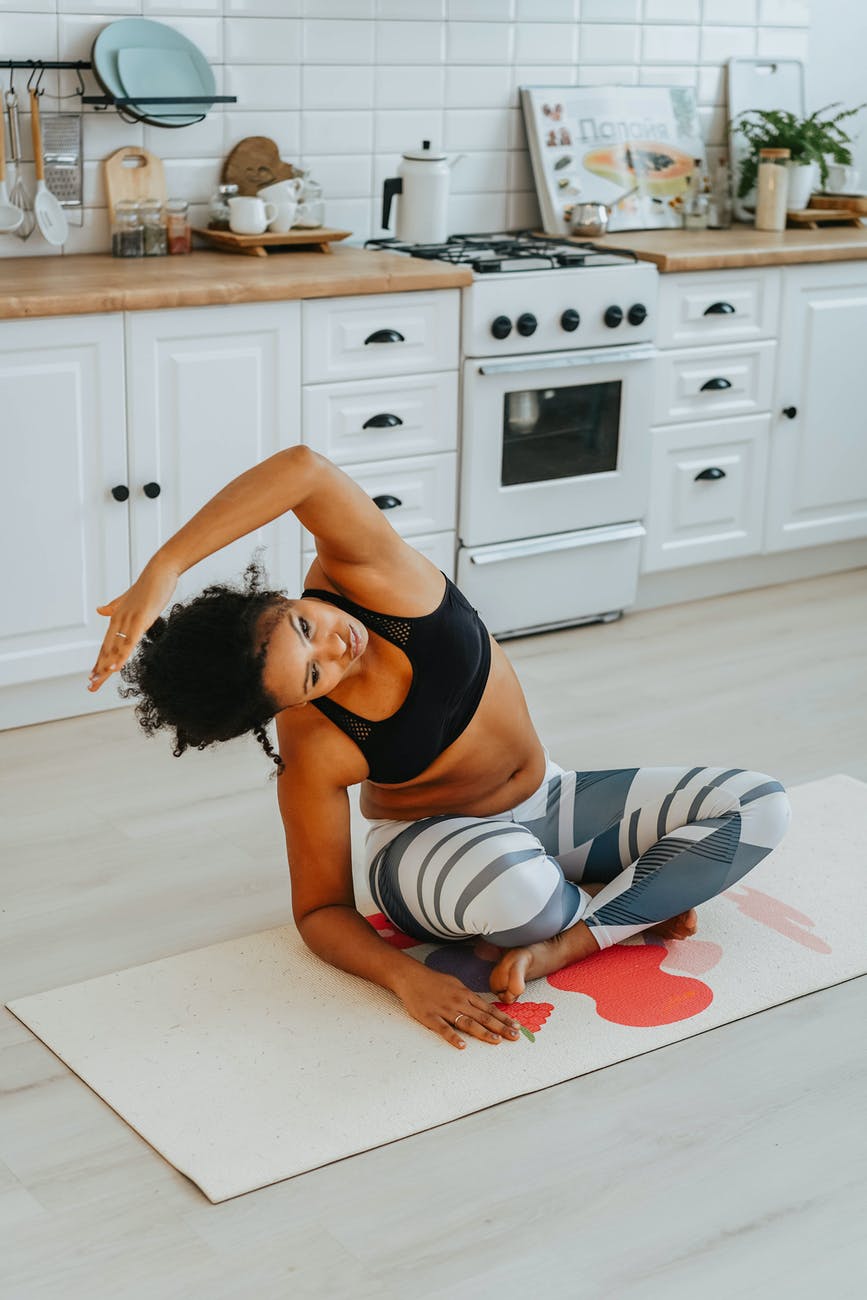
column 200, row 672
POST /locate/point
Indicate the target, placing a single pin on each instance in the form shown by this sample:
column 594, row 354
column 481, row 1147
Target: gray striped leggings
column 664, row 838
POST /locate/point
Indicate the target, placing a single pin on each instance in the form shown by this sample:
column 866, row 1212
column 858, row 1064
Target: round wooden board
column 255, row 162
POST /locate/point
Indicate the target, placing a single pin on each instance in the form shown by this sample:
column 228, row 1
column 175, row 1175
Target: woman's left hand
column 131, row 615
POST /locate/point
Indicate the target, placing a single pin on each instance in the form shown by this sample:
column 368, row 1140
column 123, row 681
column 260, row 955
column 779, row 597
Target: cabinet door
column 63, row 536
column 211, row 392
column 817, row 485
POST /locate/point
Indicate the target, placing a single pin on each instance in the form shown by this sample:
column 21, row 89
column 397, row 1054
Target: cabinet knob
column 710, row 385
column 719, row 309
column 385, row 336
column 384, row 421
column 713, row 472
column 387, row 502
column 121, row 492
column 790, row 412
column 151, row 490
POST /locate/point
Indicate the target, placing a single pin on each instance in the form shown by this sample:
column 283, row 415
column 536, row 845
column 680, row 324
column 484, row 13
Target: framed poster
column 595, row 144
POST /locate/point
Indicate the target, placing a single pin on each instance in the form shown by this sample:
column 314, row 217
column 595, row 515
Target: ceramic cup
column 842, row 179
column 250, row 216
column 284, row 218
column 282, row 191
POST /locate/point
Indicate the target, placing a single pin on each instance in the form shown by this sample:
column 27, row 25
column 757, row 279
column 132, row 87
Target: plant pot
column 802, row 180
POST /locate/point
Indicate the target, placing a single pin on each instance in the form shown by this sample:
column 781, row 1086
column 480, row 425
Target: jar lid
column 775, row 153
column 228, row 189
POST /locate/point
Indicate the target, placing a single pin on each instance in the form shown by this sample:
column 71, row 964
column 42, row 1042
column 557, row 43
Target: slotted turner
column 50, row 217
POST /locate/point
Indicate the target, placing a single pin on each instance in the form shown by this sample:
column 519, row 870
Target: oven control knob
column 501, row 328
column 570, row 320
column 613, row 316
column 527, row 324
column 637, row 313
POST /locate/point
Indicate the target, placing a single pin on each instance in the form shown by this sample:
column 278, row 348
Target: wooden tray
column 853, row 202
column 809, row 218
column 320, row 237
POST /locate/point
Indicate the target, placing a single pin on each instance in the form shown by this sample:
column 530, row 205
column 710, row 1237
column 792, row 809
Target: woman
column 473, row 830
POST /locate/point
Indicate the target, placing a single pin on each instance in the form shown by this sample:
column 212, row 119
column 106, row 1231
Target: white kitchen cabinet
column 380, row 334
column 697, row 308
column 817, row 484
column 63, row 536
column 211, row 392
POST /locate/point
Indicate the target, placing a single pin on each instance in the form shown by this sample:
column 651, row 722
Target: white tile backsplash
column 346, row 86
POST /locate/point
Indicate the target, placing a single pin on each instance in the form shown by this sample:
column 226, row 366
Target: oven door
column 554, row 442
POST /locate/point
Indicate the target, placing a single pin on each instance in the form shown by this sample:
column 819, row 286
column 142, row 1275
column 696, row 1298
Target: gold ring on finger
column 123, row 634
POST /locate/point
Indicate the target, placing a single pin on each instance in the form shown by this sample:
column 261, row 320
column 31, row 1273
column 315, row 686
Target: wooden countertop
column 711, row 250
column 98, row 282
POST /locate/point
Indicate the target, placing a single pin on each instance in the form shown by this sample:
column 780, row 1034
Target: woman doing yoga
column 381, row 673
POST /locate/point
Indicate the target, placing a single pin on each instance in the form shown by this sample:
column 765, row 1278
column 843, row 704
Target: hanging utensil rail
column 107, row 101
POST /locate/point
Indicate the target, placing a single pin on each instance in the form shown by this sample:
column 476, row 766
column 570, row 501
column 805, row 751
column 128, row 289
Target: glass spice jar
column 127, row 235
column 180, row 236
column 218, row 208
column 156, row 242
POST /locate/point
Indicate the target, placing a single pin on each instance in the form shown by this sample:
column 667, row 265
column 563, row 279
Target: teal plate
column 158, row 61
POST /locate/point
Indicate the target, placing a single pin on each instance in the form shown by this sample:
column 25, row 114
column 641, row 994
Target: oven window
column 560, row 432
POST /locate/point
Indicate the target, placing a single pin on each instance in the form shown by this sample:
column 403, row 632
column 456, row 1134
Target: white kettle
column 422, row 183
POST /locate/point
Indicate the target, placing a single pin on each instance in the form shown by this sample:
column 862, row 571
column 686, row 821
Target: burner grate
column 510, row 251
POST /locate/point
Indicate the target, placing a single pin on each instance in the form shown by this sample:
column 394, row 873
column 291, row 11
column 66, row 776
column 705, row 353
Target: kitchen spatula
column 50, row 217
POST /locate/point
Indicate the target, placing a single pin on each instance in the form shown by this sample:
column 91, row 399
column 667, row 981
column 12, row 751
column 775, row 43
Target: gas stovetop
column 510, row 251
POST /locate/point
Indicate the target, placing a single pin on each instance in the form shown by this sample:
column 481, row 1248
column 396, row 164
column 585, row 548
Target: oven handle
column 557, row 542
column 567, row 360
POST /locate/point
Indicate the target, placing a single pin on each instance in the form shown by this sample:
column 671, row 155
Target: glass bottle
column 218, row 208
column 772, row 189
column 695, row 209
column 127, row 235
column 720, row 213
column 156, row 243
column 180, row 236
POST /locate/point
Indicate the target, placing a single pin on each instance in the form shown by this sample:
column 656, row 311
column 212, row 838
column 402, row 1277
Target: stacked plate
column 135, row 57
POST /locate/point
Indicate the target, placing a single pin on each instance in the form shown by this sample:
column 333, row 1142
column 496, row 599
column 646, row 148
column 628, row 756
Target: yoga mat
column 251, row 1061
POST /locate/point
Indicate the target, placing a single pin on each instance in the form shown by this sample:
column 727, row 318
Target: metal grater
column 61, row 146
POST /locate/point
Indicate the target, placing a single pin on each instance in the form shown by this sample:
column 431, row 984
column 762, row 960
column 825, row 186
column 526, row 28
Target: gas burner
column 510, row 251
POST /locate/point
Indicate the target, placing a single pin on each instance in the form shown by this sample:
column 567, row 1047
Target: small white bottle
column 772, row 189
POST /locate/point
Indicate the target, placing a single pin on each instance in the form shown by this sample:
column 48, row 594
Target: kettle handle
column 394, row 185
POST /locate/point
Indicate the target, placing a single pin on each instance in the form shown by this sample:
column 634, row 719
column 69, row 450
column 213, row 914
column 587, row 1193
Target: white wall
column 837, row 68
column 345, row 85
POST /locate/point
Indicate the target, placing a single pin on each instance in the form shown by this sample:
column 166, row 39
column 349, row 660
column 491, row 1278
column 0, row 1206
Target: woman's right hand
column 436, row 1000
column 132, row 614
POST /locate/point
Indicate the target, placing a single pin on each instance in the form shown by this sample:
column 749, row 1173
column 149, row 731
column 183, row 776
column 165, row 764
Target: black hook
column 81, row 86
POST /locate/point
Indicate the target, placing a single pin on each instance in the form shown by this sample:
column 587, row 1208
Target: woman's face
column 312, row 647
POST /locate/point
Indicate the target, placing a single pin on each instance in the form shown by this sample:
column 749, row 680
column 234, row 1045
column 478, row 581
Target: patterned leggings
column 664, row 838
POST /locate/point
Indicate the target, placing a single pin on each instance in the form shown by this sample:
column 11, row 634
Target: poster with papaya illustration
column 631, row 146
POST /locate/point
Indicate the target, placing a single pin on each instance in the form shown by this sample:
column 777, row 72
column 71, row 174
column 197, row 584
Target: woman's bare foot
column 677, row 927
column 517, row 965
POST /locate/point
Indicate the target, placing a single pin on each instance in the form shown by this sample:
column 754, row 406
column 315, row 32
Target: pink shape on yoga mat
column 777, row 915
column 695, row 956
column 630, row 988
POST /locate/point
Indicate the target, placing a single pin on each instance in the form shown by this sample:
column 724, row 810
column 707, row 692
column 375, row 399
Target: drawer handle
column 387, row 502
column 711, row 385
column 712, row 473
column 719, row 309
column 385, row 336
column 382, row 422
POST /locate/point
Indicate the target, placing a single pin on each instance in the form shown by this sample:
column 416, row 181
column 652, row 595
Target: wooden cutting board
column 134, row 173
column 255, row 162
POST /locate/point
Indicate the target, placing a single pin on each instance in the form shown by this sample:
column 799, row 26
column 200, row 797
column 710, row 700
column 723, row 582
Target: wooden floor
column 729, row 1164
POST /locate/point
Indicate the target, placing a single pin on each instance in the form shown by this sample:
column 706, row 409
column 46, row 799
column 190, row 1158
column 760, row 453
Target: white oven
column 554, row 473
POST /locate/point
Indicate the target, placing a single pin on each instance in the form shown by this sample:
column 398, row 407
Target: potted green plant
column 813, row 141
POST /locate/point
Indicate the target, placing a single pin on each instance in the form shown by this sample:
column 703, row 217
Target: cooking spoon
column 10, row 216
column 50, row 217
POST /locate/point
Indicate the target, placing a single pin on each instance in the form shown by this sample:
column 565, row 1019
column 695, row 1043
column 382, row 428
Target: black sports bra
column 450, row 654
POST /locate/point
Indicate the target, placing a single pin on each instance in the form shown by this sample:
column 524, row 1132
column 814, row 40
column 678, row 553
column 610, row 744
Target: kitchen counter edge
column 89, row 283
column 741, row 246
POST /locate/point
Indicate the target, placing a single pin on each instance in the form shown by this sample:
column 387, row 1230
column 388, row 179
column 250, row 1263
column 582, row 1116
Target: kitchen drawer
column 373, row 419
column 379, row 334
column 717, row 307
column 438, row 547
column 701, row 383
column 425, row 487
column 693, row 520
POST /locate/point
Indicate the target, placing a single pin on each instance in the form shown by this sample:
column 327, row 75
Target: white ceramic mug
column 285, row 216
column 250, row 215
column 282, row 191
column 842, row 179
